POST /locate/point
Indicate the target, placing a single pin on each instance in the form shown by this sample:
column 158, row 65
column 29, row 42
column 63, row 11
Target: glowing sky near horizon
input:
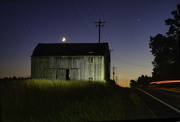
column 129, row 25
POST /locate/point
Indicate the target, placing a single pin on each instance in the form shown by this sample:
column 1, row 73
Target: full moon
column 63, row 39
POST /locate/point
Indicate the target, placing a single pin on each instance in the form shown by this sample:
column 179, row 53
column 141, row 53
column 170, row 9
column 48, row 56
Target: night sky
column 129, row 25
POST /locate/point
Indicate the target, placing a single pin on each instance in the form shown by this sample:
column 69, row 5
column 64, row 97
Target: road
column 163, row 103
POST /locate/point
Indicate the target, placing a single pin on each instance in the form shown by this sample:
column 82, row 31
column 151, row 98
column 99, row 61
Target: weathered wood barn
column 71, row 61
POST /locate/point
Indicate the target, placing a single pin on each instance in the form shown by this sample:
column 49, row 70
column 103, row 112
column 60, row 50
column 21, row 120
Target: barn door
column 67, row 74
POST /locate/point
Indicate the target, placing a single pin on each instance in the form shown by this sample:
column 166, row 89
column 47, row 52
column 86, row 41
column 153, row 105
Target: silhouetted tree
column 144, row 80
column 165, row 50
column 141, row 81
column 14, row 78
column 133, row 83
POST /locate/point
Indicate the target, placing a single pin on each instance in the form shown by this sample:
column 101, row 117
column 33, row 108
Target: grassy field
column 43, row 100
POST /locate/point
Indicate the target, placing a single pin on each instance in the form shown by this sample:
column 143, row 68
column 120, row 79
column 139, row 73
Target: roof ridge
column 67, row 49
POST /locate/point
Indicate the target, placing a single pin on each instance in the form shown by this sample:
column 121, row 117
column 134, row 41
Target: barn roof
column 70, row 49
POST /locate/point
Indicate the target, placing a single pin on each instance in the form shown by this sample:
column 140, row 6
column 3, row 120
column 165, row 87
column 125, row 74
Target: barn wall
column 80, row 67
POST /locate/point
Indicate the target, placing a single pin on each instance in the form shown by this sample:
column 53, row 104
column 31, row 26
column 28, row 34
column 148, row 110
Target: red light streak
column 164, row 82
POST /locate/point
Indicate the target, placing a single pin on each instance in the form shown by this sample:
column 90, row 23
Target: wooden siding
column 80, row 67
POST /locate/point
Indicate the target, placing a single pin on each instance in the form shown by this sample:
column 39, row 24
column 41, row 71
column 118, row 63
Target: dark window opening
column 67, row 74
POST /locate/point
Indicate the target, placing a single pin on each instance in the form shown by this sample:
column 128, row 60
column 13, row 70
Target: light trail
column 164, row 82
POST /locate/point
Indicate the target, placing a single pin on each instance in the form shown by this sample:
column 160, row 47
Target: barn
column 71, row 61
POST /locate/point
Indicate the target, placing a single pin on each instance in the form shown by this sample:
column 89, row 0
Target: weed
column 45, row 100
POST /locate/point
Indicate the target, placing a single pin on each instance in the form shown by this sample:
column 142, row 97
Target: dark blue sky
column 129, row 25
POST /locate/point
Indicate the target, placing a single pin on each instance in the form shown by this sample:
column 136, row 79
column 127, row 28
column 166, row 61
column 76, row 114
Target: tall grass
column 44, row 100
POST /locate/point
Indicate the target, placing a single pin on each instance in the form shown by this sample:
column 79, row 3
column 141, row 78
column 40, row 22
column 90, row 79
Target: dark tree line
column 141, row 81
column 14, row 78
column 164, row 48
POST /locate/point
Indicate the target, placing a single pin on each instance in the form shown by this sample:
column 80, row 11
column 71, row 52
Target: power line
column 129, row 63
column 104, row 35
column 115, row 57
column 100, row 24
column 109, row 35
column 107, row 31
column 94, row 9
column 78, row 15
column 99, row 9
column 85, row 10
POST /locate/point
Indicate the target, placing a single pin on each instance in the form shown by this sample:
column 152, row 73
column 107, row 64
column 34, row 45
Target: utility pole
column 100, row 24
column 113, row 72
